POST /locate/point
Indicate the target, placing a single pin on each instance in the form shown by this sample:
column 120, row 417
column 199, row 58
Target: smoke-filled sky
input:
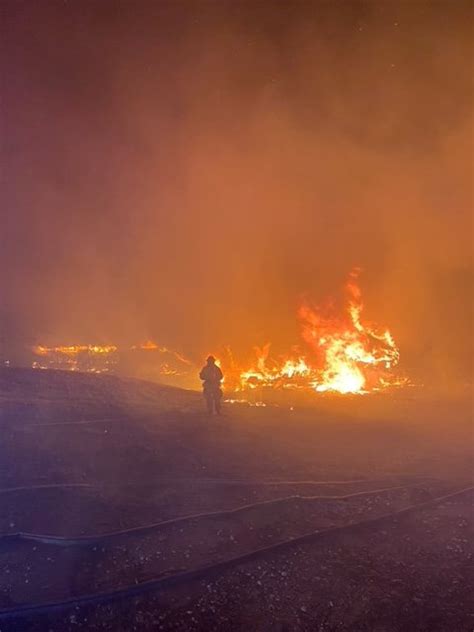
column 187, row 171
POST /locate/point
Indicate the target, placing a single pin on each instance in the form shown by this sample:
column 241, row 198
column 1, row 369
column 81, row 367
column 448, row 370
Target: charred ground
column 112, row 485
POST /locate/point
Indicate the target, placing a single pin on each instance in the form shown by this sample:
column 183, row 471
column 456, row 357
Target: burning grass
column 342, row 353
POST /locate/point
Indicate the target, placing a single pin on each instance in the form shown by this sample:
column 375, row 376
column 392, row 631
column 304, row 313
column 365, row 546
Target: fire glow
column 93, row 358
column 345, row 353
column 88, row 358
column 74, row 350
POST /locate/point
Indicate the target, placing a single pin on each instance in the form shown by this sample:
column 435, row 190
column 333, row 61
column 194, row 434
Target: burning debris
column 109, row 358
column 88, row 358
column 356, row 356
column 344, row 353
column 347, row 354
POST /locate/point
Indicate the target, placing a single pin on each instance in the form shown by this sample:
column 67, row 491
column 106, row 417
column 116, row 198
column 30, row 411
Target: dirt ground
column 285, row 517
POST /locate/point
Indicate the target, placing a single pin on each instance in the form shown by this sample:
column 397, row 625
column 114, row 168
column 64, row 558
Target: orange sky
column 188, row 171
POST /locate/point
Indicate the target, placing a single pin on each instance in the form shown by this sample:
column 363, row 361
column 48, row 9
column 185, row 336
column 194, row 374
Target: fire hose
column 213, row 570
column 86, row 539
column 219, row 481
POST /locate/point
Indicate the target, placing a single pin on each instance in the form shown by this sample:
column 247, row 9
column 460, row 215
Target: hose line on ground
column 212, row 570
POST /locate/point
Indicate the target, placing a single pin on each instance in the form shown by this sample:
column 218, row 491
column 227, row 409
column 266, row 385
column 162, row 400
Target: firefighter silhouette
column 211, row 375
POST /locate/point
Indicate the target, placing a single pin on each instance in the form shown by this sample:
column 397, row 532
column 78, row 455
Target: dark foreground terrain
column 124, row 507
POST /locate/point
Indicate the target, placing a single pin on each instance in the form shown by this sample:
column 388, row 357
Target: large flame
column 346, row 354
column 356, row 356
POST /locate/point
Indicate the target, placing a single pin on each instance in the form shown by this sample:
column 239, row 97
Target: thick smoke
column 188, row 171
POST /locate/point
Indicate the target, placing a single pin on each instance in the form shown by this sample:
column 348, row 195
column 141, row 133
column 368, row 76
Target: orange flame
column 348, row 346
column 148, row 345
column 74, row 350
column 347, row 354
column 98, row 358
